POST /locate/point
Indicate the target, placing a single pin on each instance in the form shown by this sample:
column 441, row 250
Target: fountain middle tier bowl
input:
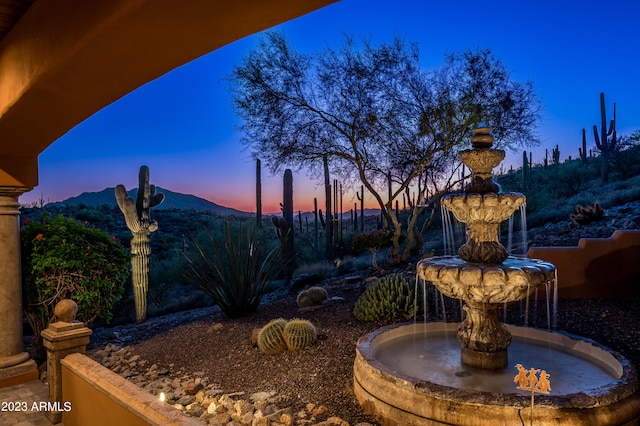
column 509, row 281
column 411, row 374
column 489, row 208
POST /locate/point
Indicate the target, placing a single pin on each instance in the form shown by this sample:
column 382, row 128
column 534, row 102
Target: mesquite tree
column 136, row 216
column 371, row 110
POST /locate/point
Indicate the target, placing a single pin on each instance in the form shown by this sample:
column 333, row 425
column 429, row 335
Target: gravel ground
column 205, row 341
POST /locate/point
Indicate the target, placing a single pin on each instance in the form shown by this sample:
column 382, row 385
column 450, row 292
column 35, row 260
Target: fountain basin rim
column 625, row 386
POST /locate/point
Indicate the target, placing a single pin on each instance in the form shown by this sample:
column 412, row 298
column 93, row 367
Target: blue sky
column 183, row 127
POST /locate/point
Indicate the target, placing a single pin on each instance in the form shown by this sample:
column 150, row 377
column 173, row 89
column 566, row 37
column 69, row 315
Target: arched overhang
column 65, row 60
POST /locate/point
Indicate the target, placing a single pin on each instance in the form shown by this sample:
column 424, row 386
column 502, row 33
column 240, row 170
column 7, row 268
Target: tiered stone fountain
column 391, row 385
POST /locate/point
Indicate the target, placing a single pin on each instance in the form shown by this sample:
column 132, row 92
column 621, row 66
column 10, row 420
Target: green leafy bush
column 234, row 270
column 390, row 298
column 63, row 259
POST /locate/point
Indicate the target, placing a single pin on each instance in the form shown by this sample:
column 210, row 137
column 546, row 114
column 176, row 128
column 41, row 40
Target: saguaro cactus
column 607, row 141
column 360, row 197
column 287, row 214
column 258, row 194
column 136, row 216
column 583, row 150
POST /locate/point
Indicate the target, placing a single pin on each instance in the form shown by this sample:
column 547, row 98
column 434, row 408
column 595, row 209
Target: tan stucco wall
column 597, row 267
column 100, row 397
column 65, row 60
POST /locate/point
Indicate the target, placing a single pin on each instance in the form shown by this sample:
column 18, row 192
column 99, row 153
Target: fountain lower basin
column 398, row 398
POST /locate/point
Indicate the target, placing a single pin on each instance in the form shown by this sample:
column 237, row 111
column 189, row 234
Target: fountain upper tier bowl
column 493, row 208
column 510, row 281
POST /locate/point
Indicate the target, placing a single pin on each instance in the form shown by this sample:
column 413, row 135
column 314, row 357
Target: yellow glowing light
column 161, row 397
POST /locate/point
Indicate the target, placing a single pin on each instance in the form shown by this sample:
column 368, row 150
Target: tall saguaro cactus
column 258, row 194
column 607, row 140
column 136, row 216
column 287, row 214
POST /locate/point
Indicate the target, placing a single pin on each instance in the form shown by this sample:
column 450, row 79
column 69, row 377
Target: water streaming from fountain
column 485, row 276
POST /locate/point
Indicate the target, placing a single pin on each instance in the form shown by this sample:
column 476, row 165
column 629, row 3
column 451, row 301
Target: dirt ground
column 204, row 340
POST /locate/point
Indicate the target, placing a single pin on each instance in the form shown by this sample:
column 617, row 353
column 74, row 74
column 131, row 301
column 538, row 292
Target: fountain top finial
column 482, row 137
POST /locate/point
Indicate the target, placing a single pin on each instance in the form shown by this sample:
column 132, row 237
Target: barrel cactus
column 311, row 297
column 271, row 338
column 299, row 333
column 389, row 298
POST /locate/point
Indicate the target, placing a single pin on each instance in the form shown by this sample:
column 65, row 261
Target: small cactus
column 271, row 338
column 388, row 298
column 299, row 333
column 311, row 297
column 585, row 215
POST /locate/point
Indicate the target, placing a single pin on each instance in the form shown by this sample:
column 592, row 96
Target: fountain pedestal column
column 484, row 339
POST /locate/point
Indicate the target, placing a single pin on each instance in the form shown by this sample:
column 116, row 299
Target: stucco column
column 15, row 365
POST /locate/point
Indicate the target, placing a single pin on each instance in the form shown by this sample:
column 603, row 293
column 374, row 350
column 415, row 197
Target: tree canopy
column 373, row 111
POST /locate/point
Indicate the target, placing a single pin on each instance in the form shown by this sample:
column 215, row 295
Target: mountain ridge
column 172, row 200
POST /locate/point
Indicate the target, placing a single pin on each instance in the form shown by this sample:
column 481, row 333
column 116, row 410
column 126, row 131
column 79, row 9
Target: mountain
column 172, row 200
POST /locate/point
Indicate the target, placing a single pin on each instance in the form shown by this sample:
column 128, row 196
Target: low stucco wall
column 597, row 267
column 97, row 396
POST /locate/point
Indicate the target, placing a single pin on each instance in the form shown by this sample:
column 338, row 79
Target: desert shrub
column 390, row 298
column 323, row 268
column 372, row 241
column 235, row 268
column 63, row 259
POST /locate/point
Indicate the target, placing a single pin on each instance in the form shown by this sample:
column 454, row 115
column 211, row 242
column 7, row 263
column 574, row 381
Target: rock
column 337, row 421
column 215, row 327
column 254, row 336
column 260, row 421
column 261, row 396
column 216, row 408
column 242, row 407
column 221, row 419
column 192, row 388
column 352, row 279
column 286, row 419
column 186, row 400
column 194, row 410
column 304, row 280
column 318, row 411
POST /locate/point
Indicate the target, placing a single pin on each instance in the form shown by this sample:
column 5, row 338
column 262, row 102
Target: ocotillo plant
column 607, row 140
column 136, row 216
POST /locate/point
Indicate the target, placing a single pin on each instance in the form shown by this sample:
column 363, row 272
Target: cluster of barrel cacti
column 312, row 296
column 587, row 214
column 389, row 298
column 279, row 335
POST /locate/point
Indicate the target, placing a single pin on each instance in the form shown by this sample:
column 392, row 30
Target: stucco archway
column 64, row 60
